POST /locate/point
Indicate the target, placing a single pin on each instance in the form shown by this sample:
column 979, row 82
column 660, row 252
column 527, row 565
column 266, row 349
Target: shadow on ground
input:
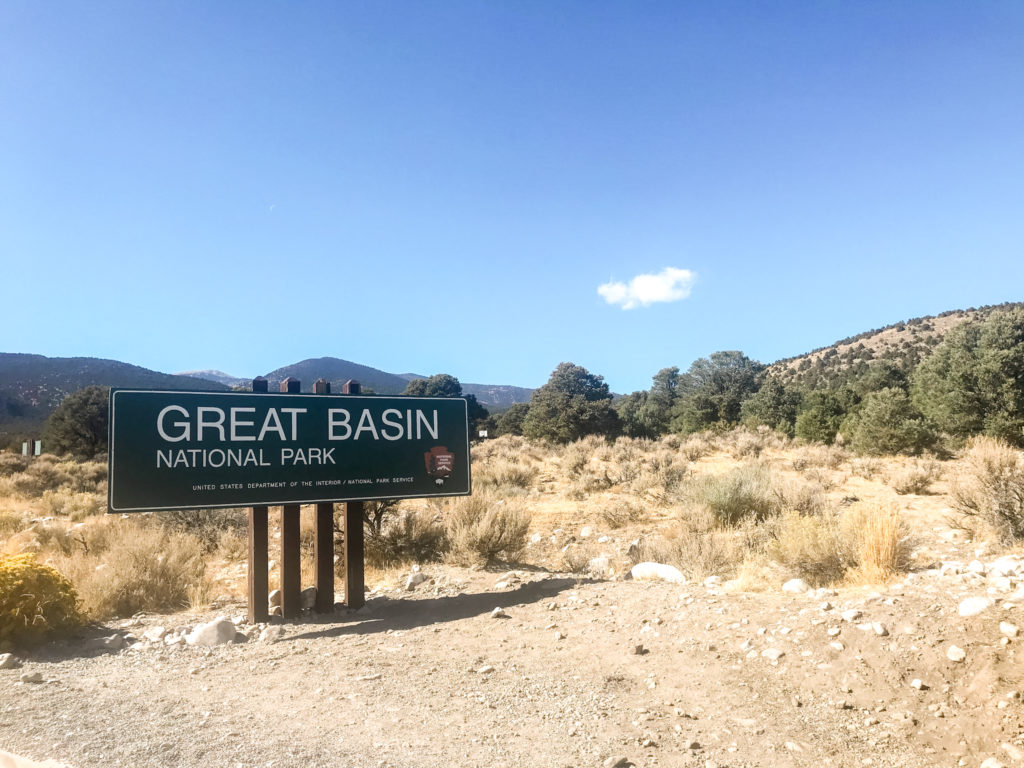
column 382, row 613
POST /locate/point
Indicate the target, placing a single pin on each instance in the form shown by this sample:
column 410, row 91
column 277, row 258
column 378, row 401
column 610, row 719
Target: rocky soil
column 570, row 671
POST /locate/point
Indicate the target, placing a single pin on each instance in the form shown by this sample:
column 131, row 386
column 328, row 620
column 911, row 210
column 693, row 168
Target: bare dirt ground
column 579, row 671
column 430, row 678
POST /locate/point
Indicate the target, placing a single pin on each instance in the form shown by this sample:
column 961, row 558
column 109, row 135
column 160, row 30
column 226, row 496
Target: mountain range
column 32, row 386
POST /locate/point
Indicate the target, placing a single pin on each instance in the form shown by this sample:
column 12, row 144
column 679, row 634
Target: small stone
column 879, row 628
column 486, row 669
column 972, row 606
column 559, row 636
column 796, row 587
column 833, row 631
column 835, row 645
column 7, row 661
column 536, row 538
column 155, row 634
column 657, row 572
column 271, row 635
column 32, row 677
column 217, row 632
column 917, row 685
column 274, row 598
column 617, row 761
column 499, row 613
column 691, row 744
column 639, row 650
column 991, row 762
column 586, row 532
column 1006, row 629
column 307, row 598
column 955, row 653
column 772, row 654
column 414, row 580
column 851, row 615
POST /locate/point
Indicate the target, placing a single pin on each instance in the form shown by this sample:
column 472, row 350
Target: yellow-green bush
column 482, row 529
column 36, row 602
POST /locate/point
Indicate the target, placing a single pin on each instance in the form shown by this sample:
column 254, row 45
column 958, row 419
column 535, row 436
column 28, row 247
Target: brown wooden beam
column 354, row 568
column 258, row 576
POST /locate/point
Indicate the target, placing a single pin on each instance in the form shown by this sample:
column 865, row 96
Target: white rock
column 773, row 654
column 991, row 762
column 657, row 572
column 851, row 615
column 1006, row 629
column 536, row 538
column 956, row 653
column 880, row 629
column 274, row 598
column 7, row 661
column 155, row 634
column 586, row 532
column 917, row 685
column 271, row 634
column 307, row 598
column 217, row 632
column 499, row 613
column 414, row 580
column 486, row 669
column 976, row 566
column 835, row 645
column 796, row 587
column 972, row 606
column 32, row 677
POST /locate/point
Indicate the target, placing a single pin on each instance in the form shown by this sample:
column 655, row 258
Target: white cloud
column 670, row 284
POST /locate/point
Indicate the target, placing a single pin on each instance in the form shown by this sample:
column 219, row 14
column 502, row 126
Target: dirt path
column 429, row 678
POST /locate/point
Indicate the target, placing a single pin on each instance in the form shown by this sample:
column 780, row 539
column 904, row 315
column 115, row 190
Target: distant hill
column 31, row 386
column 212, row 375
column 905, row 344
column 338, row 371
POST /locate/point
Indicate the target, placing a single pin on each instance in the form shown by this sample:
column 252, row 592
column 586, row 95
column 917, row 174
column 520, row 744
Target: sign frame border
column 111, row 510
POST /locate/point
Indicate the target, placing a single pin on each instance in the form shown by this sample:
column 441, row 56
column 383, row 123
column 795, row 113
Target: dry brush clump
column 867, row 543
column 989, row 493
column 915, row 477
column 736, row 495
column 122, row 566
column 36, row 602
column 481, row 529
column 411, row 536
column 818, row 455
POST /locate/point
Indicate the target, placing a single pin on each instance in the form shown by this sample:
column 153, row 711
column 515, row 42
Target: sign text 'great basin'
column 184, row 450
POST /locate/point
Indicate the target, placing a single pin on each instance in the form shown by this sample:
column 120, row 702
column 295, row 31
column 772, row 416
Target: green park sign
column 186, row 450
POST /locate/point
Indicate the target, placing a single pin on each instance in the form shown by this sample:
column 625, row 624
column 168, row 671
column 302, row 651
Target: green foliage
column 773, row 405
column 630, row 409
column 36, row 602
column 574, row 403
column 974, row 382
column 446, row 385
column 713, row 390
column 415, row 536
column 79, row 425
column 881, row 375
column 821, row 414
column 744, row 493
column 511, row 421
column 886, row 422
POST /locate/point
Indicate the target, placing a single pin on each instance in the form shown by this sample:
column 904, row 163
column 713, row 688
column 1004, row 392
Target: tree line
column 973, row 383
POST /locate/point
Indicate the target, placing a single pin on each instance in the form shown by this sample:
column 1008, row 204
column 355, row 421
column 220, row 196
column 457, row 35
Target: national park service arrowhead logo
column 440, row 463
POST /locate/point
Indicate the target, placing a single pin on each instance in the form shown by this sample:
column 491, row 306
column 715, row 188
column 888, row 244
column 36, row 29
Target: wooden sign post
column 180, row 450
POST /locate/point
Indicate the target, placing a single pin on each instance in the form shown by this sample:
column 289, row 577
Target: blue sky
column 445, row 186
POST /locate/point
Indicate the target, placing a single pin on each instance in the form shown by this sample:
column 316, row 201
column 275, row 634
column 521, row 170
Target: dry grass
column 818, row 455
column 504, row 476
column 736, row 495
column 619, row 513
column 809, row 546
column 416, row 536
column 482, row 529
column 989, row 493
column 879, row 540
column 916, row 477
column 125, row 566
